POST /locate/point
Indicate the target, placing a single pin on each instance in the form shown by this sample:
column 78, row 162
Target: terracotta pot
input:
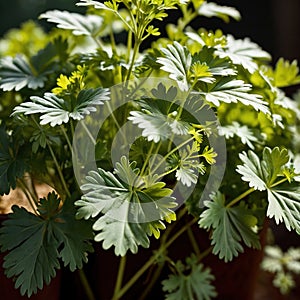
column 8, row 292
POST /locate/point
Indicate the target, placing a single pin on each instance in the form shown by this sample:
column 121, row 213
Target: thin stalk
column 279, row 182
column 147, row 159
column 86, row 285
column 60, row 174
column 193, row 242
column 205, row 253
column 152, row 282
column 240, row 197
column 172, row 151
column 66, row 137
column 151, row 261
column 88, row 133
column 135, row 52
column 120, row 276
column 28, row 196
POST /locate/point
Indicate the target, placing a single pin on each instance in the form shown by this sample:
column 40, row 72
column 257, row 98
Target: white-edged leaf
column 242, row 131
column 232, row 90
column 55, row 110
column 243, row 52
column 177, row 62
column 16, row 73
column 113, row 7
column 78, row 23
column 265, row 174
column 131, row 211
column 214, row 10
column 284, row 206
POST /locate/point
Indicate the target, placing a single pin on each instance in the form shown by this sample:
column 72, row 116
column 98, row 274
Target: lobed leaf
column 230, row 226
column 214, row 10
column 55, row 110
column 130, row 210
column 191, row 281
column 36, row 243
column 79, row 24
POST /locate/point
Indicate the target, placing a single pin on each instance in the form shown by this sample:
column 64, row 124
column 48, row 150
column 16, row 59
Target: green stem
column 86, row 285
column 279, row 182
column 88, row 133
column 119, row 277
column 151, row 261
column 66, row 136
column 135, row 51
column 240, row 197
column 27, row 193
column 193, row 242
column 205, row 253
column 154, row 278
column 171, row 152
column 60, row 174
column 147, row 160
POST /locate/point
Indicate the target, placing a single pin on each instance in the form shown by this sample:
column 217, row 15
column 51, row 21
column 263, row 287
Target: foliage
column 195, row 123
column 191, row 281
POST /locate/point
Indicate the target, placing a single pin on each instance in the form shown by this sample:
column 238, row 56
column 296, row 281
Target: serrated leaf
column 217, row 66
column 158, row 118
column 230, row 90
column 16, row 73
column 192, row 281
column 79, row 24
column 177, row 62
column 132, row 211
column 284, row 206
column 110, row 6
column 230, row 225
column 36, row 243
column 286, row 73
column 243, row 52
column 214, row 10
column 55, row 110
column 242, row 131
column 13, row 161
column 262, row 174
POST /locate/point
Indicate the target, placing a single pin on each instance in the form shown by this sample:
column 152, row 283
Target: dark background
column 273, row 24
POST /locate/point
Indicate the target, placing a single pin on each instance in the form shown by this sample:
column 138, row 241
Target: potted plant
column 142, row 146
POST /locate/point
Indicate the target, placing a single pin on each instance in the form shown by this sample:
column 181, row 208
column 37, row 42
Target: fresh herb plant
column 58, row 80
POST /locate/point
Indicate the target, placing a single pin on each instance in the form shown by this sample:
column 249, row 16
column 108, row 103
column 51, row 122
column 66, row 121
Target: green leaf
column 13, row 161
column 79, row 24
column 191, row 281
column 230, row 90
column 187, row 164
column 242, row 131
column 243, row 52
column 266, row 174
column 56, row 110
column 36, row 243
column 214, row 10
column 217, row 66
column 177, row 62
column 230, row 226
column 16, row 73
column 286, row 73
column 132, row 211
column 284, row 206
column 159, row 118
column 261, row 174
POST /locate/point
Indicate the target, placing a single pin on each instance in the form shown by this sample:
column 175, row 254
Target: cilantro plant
column 196, row 129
